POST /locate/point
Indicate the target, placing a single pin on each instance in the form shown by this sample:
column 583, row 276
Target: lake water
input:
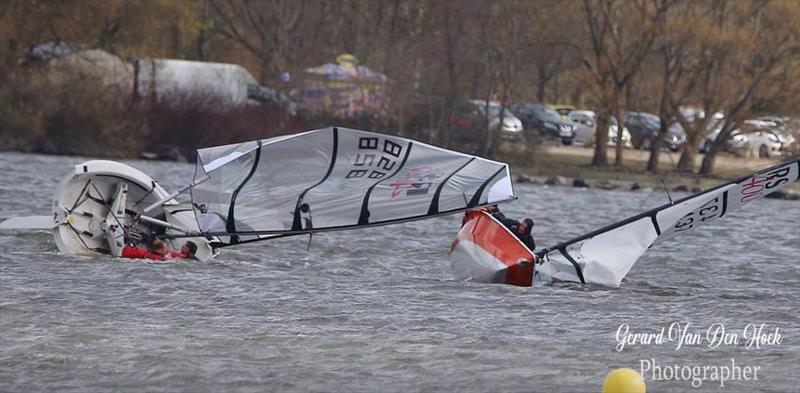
column 377, row 310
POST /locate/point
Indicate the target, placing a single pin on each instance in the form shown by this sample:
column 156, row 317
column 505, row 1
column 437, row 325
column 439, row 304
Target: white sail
column 337, row 178
column 605, row 256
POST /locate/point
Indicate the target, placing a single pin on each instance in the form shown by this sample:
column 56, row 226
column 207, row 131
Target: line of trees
column 740, row 58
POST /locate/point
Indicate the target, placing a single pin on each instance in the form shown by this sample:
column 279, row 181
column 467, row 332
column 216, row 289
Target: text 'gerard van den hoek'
column 752, row 336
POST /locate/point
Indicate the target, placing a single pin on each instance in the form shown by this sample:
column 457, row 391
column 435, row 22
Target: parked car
column 736, row 143
column 787, row 130
column 545, row 121
column 694, row 114
column 466, row 124
column 585, row 125
column 644, row 128
column 756, row 136
column 511, row 126
column 764, row 143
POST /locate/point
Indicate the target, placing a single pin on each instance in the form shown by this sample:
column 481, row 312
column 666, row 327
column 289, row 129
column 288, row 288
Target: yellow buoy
column 624, row 380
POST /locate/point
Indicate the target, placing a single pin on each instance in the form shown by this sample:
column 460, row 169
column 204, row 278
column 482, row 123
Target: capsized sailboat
column 604, row 256
column 323, row 180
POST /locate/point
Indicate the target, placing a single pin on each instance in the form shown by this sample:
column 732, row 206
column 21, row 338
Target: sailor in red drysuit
column 187, row 251
column 159, row 251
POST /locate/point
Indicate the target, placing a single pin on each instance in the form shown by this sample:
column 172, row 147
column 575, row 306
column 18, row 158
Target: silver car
column 511, row 127
column 585, row 125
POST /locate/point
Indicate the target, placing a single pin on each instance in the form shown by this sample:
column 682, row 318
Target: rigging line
column 152, row 188
column 310, row 236
column 76, row 204
column 664, row 177
column 667, row 190
column 110, row 210
column 223, row 245
column 644, row 200
column 328, row 229
column 78, row 234
column 309, row 225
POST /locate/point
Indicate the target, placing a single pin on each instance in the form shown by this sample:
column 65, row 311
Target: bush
column 49, row 112
column 185, row 122
column 67, row 115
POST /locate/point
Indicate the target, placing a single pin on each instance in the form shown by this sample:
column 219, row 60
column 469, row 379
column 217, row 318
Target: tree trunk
column 686, row 162
column 446, row 122
column 486, row 149
column 601, row 139
column 541, row 83
column 655, row 148
column 707, row 167
column 620, row 133
column 600, row 157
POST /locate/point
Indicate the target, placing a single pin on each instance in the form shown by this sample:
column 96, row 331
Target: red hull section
column 486, row 251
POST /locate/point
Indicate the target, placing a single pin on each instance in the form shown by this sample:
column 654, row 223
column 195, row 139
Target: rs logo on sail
column 417, row 181
column 754, row 187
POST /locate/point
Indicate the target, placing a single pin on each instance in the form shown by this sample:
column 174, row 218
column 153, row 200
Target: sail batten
column 337, row 178
column 434, row 207
column 296, row 223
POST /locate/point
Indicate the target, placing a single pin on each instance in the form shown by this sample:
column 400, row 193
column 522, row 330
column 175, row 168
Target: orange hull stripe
column 485, row 231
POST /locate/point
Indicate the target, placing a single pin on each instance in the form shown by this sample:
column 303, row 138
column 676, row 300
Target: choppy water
column 377, row 311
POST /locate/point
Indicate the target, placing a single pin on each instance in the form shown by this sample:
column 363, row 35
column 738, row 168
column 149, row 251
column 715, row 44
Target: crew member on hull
column 522, row 230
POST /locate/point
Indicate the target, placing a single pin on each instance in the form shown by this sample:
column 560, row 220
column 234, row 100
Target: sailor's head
column 188, row 249
column 525, row 226
column 159, row 247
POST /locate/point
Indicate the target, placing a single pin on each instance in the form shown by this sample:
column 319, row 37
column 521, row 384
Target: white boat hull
column 92, row 215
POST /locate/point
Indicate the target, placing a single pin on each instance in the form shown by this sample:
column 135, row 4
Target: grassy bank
column 574, row 162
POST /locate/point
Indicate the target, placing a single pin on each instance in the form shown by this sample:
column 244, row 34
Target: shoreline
column 628, row 185
column 570, row 166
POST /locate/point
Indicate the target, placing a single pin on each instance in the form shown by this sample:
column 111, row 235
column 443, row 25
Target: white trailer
column 232, row 84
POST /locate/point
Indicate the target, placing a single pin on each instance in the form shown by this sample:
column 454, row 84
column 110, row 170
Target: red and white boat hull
column 486, row 251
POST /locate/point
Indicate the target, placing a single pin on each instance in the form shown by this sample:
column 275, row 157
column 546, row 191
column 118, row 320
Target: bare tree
column 771, row 42
column 621, row 35
column 674, row 67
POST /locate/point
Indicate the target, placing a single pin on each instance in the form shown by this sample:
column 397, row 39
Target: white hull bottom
column 94, row 209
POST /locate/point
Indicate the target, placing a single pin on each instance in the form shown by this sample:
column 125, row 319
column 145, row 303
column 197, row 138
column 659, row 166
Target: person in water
column 159, row 251
column 521, row 229
column 187, row 251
